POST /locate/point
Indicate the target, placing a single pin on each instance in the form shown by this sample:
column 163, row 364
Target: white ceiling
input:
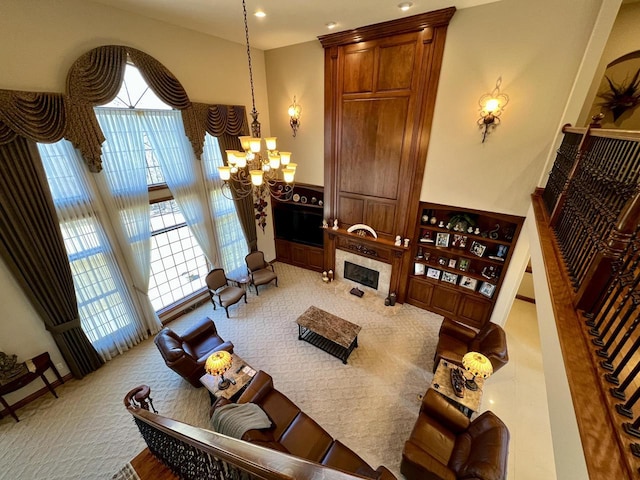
column 288, row 22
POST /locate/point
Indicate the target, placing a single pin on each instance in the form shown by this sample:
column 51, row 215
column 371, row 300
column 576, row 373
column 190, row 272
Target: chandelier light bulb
column 492, row 105
column 241, row 160
column 289, row 175
column 225, row 173
column 256, row 177
column 270, row 142
column 292, row 166
column 274, row 161
column 285, row 158
column 245, row 142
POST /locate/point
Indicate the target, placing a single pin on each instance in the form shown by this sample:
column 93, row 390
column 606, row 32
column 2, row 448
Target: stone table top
column 442, row 383
column 329, row 326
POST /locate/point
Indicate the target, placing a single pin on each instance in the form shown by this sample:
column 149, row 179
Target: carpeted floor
column 370, row 404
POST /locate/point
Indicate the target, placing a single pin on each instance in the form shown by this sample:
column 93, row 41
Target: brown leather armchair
column 260, row 271
column 456, row 339
column 187, row 354
column 446, row 445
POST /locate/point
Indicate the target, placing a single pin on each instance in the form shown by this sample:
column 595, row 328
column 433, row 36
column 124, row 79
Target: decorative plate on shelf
column 296, row 197
column 303, row 199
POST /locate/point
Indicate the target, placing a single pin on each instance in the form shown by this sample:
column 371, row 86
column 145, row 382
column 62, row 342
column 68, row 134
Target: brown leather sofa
column 456, row 339
column 187, row 354
column 446, row 445
column 294, row 432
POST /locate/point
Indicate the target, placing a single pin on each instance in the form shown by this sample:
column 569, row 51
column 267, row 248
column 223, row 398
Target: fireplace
column 363, row 275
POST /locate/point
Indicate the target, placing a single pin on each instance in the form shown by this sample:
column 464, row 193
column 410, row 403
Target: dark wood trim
column 603, row 448
column 37, row 394
column 525, row 299
column 414, row 23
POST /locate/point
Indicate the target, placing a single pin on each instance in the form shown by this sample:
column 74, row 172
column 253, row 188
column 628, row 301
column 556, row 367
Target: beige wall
column 42, row 38
column 624, row 39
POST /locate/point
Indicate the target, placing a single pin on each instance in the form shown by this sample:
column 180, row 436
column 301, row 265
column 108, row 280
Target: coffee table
column 240, row 372
column 441, row 383
column 332, row 334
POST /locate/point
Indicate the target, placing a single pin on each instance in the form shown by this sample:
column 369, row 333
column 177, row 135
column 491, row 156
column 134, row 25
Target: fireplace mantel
column 376, row 248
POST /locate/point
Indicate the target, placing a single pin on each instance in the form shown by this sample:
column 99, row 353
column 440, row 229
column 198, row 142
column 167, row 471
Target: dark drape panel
column 32, row 247
column 244, row 206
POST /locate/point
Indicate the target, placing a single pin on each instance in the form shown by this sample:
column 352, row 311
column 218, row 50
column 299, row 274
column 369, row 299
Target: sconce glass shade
column 491, row 107
column 256, row 177
column 294, row 111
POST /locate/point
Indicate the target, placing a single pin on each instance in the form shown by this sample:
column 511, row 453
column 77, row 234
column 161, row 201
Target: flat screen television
column 299, row 225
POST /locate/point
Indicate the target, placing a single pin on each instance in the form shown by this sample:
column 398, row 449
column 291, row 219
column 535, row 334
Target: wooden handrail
column 258, row 462
column 605, row 454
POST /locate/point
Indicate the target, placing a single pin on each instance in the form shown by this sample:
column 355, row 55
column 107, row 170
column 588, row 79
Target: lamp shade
column 224, row 172
column 285, row 158
column 218, row 363
column 477, row 364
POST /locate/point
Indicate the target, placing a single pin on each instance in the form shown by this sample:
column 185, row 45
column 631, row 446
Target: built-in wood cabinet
column 380, row 89
column 298, row 229
column 460, row 257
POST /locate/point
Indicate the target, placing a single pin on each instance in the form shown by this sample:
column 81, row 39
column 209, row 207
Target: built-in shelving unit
column 460, row 258
column 298, row 228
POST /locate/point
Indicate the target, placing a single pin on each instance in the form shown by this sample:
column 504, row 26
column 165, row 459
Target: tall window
column 106, row 311
column 178, row 265
column 178, row 262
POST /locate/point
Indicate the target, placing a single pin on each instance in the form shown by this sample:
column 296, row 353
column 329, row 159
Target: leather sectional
column 294, row 432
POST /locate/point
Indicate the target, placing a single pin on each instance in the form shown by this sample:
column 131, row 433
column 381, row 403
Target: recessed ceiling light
column 260, row 14
column 404, row 6
column 331, row 25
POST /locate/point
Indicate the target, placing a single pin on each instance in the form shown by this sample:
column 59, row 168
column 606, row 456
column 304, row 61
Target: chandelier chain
column 246, row 33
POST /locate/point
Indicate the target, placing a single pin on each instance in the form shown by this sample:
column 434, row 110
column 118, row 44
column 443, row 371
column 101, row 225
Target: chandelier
column 252, row 172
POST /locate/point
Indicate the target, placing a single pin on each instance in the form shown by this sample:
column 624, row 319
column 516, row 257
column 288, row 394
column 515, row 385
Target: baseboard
column 37, row 394
column 526, row 299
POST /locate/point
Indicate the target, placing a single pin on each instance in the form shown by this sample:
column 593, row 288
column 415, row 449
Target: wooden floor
column 149, row 467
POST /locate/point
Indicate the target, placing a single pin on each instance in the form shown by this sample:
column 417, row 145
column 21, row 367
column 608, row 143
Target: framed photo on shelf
column 418, row 268
column 487, row 289
column 459, row 241
column 468, row 282
column 463, row 265
column 477, row 248
column 449, row 277
column 433, row 273
column 426, row 237
column 501, row 253
column 443, row 261
column 452, row 263
column 442, row 239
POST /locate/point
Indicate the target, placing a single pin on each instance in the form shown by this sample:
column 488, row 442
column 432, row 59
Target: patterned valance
column 95, row 79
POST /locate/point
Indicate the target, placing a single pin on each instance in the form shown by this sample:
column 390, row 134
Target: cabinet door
column 315, row 259
column 298, row 255
column 445, row 301
column 474, row 311
column 283, row 251
column 419, row 293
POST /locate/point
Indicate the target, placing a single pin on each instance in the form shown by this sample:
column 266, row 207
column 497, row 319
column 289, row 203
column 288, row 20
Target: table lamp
column 478, row 365
column 216, row 365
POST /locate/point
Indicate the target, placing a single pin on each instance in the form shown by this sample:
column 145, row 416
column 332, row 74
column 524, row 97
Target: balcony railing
column 588, row 217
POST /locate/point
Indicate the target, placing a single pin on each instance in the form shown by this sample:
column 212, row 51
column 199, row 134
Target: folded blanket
column 235, row 419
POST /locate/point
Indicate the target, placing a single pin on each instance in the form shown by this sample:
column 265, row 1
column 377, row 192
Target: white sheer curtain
column 123, row 185
column 107, row 312
column 183, row 175
column 230, row 235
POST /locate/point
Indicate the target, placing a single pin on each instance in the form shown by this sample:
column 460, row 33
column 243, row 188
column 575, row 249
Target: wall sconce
column 491, row 106
column 294, row 116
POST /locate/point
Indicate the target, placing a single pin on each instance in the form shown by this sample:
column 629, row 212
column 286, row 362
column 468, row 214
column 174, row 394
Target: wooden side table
column 42, row 363
column 470, row 403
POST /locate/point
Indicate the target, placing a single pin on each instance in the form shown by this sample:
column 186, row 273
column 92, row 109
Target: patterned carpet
column 370, row 404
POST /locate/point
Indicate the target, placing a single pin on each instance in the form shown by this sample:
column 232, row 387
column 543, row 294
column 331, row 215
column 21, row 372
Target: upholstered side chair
column 220, row 289
column 259, row 270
